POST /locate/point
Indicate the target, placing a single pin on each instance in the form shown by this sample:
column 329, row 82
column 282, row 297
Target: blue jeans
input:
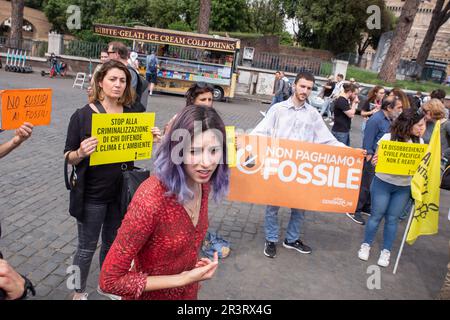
column 326, row 107
column 272, row 228
column 277, row 99
column 343, row 137
column 388, row 202
column 105, row 217
column 363, row 126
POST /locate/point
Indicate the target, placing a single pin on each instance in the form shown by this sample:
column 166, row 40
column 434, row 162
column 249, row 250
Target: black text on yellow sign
column 122, row 137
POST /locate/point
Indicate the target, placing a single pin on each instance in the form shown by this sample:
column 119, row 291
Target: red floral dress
column 158, row 234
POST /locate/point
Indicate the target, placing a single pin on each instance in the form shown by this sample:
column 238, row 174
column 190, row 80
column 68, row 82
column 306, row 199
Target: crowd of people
column 152, row 251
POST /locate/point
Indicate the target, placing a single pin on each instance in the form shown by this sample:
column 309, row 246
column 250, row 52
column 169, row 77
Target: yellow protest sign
column 122, row 137
column 399, row 158
column 231, row 146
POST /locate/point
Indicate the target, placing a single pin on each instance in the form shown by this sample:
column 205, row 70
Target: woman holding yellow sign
column 167, row 219
column 95, row 201
column 390, row 192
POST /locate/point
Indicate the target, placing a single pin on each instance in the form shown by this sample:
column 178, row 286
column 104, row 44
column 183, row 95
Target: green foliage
column 365, row 76
column 229, row 15
column 333, row 25
column 180, row 26
column 35, row 4
column 286, row 38
column 266, row 16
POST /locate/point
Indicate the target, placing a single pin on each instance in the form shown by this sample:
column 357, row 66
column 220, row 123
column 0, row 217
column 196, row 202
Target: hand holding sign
column 87, row 147
column 23, row 133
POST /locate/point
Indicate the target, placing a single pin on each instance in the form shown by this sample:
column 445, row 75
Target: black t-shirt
column 102, row 182
column 342, row 123
column 328, row 92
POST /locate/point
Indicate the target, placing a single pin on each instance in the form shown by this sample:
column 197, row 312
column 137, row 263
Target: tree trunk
column 15, row 35
column 204, row 15
column 406, row 20
column 437, row 20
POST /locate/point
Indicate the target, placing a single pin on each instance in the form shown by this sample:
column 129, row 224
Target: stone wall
column 441, row 47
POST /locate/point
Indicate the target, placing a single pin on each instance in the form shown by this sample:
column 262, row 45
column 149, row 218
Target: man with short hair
column 103, row 58
column 338, row 87
column 293, row 119
column 278, row 90
column 344, row 111
column 119, row 52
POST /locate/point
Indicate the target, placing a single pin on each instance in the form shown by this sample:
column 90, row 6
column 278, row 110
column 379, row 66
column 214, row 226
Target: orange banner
column 296, row 174
column 26, row 105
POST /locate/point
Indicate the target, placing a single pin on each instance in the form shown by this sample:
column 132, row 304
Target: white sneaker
column 263, row 113
column 108, row 295
column 385, row 255
column 80, row 296
column 364, row 252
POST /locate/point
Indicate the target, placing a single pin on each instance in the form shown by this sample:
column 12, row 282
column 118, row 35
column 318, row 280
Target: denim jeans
column 272, row 227
column 326, row 107
column 104, row 217
column 343, row 137
column 277, row 99
column 388, row 202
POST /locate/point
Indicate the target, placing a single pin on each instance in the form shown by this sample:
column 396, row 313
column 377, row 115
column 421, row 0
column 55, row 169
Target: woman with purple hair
column 167, row 219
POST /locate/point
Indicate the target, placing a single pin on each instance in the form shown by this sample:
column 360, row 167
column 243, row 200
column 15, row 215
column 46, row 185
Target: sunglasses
column 203, row 85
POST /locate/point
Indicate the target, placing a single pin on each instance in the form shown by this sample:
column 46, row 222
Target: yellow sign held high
column 400, row 158
column 122, row 137
column 231, row 146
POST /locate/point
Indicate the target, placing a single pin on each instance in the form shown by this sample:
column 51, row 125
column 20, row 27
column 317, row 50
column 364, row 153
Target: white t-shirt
column 398, row 180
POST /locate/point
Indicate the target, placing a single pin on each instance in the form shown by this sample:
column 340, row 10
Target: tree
column 266, row 16
column 389, row 68
column 333, row 25
column 229, row 15
column 204, row 15
column 440, row 16
column 372, row 36
column 15, row 36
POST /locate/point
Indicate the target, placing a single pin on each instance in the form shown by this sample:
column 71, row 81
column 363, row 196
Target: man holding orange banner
column 293, row 119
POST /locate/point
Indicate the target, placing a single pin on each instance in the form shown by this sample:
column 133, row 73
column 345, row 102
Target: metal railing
column 83, row 48
column 287, row 63
column 34, row 48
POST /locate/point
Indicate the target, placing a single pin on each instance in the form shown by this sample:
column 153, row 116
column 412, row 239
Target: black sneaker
column 270, row 249
column 297, row 245
column 357, row 217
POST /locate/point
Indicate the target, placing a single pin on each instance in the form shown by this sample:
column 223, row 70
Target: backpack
column 140, row 104
column 287, row 88
column 151, row 65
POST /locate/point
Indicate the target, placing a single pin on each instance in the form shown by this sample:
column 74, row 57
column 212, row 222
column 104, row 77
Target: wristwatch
column 28, row 287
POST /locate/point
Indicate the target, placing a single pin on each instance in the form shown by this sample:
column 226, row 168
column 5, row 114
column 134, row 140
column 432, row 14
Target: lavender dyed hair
column 172, row 175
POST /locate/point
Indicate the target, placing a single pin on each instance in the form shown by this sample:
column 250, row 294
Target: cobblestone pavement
column 39, row 237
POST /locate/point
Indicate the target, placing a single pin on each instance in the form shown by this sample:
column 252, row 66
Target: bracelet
column 78, row 155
